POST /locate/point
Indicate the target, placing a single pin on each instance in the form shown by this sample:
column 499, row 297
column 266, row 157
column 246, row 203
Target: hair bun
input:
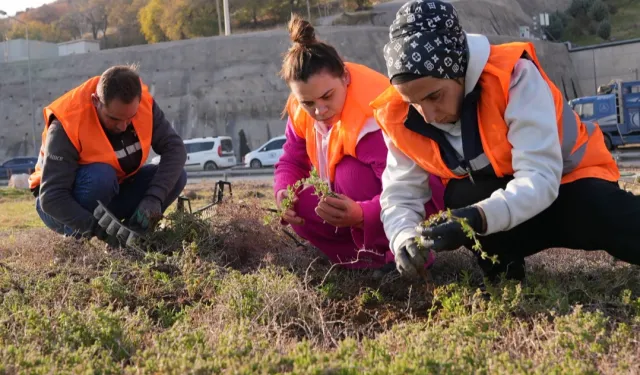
column 301, row 31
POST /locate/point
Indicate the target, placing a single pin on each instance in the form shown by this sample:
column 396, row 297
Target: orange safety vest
column 583, row 148
column 77, row 114
column 366, row 84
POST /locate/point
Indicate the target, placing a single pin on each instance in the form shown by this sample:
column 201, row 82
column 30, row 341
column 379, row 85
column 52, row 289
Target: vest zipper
column 467, row 168
column 470, row 176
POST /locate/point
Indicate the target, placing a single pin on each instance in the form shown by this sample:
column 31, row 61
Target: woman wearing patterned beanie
column 519, row 165
column 331, row 128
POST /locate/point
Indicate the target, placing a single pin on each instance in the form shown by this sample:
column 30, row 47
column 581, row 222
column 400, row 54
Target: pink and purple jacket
column 359, row 179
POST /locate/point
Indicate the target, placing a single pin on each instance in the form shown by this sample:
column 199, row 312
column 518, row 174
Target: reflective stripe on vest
column 582, row 143
column 75, row 111
column 569, row 137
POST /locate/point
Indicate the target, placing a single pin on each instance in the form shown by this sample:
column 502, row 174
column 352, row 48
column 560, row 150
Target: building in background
column 76, row 47
column 16, row 50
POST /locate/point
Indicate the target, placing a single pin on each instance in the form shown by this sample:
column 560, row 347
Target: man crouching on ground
column 96, row 140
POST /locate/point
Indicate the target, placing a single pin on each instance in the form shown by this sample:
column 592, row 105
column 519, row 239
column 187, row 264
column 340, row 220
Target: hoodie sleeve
column 537, row 156
column 294, row 164
column 59, row 167
column 405, row 191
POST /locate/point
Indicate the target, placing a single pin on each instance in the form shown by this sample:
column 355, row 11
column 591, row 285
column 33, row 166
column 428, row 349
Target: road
column 627, row 158
column 261, row 178
column 234, row 174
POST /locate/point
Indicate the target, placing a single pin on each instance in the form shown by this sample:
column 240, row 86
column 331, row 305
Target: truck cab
column 616, row 109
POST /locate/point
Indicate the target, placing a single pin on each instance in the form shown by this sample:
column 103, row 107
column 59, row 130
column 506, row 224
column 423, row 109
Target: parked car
column 266, row 155
column 22, row 164
column 207, row 154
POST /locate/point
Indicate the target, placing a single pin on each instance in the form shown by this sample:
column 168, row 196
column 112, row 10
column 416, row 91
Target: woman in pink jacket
column 331, row 128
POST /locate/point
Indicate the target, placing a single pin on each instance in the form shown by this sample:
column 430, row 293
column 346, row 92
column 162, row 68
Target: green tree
column 149, row 18
column 579, row 7
column 599, row 11
column 37, row 31
column 96, row 16
column 123, row 15
column 250, row 11
column 71, row 24
column 558, row 21
column 604, row 31
column 203, row 19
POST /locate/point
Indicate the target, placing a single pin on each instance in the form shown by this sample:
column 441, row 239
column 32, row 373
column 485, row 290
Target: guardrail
column 233, row 172
column 627, row 159
column 624, row 159
column 220, row 173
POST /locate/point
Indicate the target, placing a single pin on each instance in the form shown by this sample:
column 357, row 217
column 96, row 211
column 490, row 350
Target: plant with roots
column 471, row 234
column 321, row 189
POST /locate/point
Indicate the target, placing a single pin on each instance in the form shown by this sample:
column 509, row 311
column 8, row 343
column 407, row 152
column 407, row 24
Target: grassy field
column 232, row 295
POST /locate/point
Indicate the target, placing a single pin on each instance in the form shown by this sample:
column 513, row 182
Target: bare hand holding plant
column 340, row 211
column 286, row 200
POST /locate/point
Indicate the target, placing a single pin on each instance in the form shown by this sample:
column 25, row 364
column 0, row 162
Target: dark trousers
column 98, row 181
column 589, row 214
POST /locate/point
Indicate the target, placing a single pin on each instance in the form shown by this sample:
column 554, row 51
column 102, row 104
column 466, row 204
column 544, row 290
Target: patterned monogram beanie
column 426, row 39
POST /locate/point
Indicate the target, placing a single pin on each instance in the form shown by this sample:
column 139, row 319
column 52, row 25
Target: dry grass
column 232, row 295
column 17, row 210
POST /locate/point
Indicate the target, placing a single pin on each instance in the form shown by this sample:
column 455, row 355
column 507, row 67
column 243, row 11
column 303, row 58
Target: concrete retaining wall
column 207, row 86
column 600, row 64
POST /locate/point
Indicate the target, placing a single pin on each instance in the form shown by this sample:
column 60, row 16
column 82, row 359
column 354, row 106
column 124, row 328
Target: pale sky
column 13, row 6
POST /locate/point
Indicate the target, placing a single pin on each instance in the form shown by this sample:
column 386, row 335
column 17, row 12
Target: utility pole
column 219, row 17
column 33, row 113
column 308, row 10
column 227, row 21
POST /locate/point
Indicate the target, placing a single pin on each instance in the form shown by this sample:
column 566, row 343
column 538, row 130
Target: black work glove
column 446, row 234
column 410, row 258
column 101, row 234
column 147, row 214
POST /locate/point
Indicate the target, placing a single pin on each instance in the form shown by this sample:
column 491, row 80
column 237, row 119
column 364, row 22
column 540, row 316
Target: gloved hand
column 447, row 234
column 101, row 234
column 147, row 214
column 410, row 258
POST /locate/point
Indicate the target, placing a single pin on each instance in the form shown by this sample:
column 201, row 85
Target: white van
column 266, row 155
column 207, row 154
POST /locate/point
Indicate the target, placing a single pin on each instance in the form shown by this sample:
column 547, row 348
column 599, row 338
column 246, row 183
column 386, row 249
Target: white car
column 207, row 154
column 266, row 155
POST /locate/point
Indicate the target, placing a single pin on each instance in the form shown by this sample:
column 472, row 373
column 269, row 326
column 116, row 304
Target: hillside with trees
column 595, row 21
column 118, row 23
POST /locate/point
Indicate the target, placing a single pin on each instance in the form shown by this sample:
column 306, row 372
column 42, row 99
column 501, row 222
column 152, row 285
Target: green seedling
column 321, row 189
column 471, row 234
